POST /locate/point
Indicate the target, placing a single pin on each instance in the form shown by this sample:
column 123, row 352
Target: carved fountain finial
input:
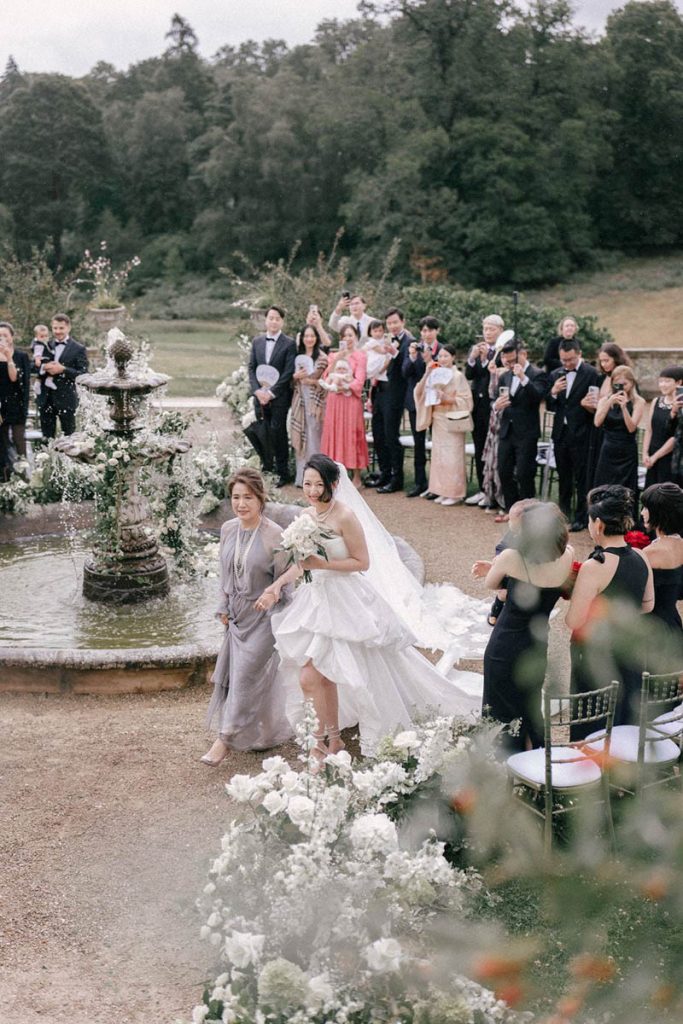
column 120, row 350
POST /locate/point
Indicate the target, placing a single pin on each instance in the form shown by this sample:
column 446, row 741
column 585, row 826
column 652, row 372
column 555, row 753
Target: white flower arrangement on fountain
column 321, row 909
column 235, row 390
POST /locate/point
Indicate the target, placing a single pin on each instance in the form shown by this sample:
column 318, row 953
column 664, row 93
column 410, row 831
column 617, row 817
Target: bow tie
column 270, row 339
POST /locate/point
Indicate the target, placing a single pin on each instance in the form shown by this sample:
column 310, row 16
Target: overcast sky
column 70, row 36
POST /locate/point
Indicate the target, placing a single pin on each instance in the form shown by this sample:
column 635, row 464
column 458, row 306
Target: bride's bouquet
column 302, row 538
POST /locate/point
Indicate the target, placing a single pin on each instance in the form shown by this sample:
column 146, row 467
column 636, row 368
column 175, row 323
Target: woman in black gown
column 613, row 587
column 663, row 514
column 15, row 372
column 515, row 659
column 617, row 416
column 660, row 429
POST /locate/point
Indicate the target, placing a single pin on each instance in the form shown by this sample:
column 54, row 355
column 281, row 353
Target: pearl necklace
column 240, row 559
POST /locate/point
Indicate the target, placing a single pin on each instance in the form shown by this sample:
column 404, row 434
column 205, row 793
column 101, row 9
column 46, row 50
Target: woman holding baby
column 343, row 436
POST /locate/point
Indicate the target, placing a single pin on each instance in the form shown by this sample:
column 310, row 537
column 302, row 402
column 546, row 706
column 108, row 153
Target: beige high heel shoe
column 213, row 762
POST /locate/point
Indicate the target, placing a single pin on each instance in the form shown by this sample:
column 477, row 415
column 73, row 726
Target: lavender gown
column 248, row 703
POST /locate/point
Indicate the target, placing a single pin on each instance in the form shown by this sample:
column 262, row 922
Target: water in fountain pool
column 44, row 606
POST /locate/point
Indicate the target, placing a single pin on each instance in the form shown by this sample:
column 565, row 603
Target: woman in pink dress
column 344, row 427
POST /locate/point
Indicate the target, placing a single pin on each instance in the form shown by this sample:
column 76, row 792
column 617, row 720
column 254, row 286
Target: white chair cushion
column 624, row 746
column 529, row 765
column 671, row 722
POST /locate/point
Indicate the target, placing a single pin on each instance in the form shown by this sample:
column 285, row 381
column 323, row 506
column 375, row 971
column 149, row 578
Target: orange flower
column 487, row 968
column 569, row 1005
column 511, row 993
column 663, row 996
column 464, row 800
column 656, row 885
column 593, row 968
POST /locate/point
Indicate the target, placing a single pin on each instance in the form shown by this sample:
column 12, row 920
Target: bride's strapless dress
column 353, row 637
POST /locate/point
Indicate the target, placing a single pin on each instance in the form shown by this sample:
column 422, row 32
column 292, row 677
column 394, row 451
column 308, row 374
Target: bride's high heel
column 334, row 741
column 222, row 751
column 318, row 753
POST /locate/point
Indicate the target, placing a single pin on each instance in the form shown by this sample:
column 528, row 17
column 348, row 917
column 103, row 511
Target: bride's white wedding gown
column 353, row 637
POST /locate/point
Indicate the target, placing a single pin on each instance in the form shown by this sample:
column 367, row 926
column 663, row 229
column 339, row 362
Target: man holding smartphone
column 573, row 403
column 356, row 314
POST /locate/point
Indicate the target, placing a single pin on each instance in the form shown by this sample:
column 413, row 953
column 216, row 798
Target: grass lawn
column 197, row 354
column 639, row 300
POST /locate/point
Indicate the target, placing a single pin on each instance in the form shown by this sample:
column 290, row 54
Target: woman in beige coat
column 445, row 406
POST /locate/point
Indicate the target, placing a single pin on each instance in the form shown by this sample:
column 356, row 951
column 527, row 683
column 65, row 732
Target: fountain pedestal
column 128, row 567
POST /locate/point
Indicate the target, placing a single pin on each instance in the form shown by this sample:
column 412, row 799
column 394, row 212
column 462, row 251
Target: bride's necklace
column 322, row 516
column 241, row 556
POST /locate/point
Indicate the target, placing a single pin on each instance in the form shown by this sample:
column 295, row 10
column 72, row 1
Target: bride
column 341, row 644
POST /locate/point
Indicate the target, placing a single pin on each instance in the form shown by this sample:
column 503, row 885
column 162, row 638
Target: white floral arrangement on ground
column 301, row 539
column 321, row 908
column 235, row 390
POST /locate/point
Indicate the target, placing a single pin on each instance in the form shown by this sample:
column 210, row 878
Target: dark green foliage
column 498, row 142
column 461, row 313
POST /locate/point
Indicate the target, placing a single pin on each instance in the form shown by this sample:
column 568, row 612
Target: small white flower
column 274, row 801
column 384, row 955
column 199, row 1014
column 244, row 948
column 290, row 781
column 406, row 741
column 112, row 462
column 301, row 810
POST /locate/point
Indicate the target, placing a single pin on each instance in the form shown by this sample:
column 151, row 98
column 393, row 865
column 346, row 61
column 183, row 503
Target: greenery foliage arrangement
column 414, row 888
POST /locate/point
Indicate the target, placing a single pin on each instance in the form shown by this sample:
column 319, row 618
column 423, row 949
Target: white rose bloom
column 274, row 801
column 290, row 782
column 242, row 788
column 406, row 741
column 244, row 948
column 301, row 810
column 275, row 764
column 340, row 760
column 384, row 955
column 199, row 1014
column 112, row 462
column 374, row 834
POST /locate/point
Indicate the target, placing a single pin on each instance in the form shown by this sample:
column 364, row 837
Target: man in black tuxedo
column 392, row 397
column 568, row 398
column 63, row 362
column 520, row 425
column 269, row 434
column 418, row 357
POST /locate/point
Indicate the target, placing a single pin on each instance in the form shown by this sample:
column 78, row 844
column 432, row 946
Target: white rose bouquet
column 302, row 538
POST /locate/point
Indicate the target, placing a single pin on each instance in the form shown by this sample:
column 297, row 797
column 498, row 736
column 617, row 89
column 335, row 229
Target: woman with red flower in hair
column 613, row 587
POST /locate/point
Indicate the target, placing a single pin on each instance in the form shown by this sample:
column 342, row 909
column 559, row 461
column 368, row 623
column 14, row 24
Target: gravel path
column 109, row 825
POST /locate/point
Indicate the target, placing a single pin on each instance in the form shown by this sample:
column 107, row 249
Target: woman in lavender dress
column 248, row 701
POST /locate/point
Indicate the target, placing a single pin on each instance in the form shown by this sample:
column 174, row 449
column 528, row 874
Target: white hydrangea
column 374, row 834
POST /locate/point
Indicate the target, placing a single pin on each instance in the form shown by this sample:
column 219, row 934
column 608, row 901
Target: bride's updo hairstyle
column 543, row 533
column 613, row 505
column 664, row 503
column 329, row 473
column 252, row 479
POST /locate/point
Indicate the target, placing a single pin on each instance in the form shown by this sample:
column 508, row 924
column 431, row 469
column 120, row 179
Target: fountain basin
column 53, row 640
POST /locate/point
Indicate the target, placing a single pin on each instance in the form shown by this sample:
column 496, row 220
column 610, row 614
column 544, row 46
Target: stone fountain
column 127, row 567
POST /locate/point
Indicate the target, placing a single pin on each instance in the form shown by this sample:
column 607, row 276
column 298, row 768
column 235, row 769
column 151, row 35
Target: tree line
column 501, row 146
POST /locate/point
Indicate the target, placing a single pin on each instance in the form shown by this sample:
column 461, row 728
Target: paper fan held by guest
column 341, row 643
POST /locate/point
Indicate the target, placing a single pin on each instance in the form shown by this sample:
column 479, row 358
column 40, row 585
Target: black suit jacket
column 522, row 415
column 572, row 422
column 282, row 359
column 396, row 382
column 74, row 359
column 479, row 378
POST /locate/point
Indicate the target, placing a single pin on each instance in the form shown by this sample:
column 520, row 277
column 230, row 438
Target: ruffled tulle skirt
column 351, row 635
